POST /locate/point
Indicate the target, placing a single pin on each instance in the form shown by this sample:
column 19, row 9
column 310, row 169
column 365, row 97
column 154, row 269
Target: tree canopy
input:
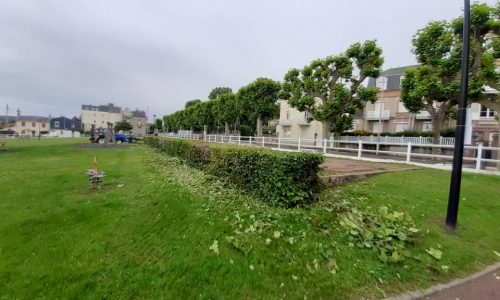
column 259, row 100
column 192, row 102
column 125, row 126
column 435, row 85
column 216, row 92
column 331, row 88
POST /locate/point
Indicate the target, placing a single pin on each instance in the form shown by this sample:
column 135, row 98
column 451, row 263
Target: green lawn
column 151, row 238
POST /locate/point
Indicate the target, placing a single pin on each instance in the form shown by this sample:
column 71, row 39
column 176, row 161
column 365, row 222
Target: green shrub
column 280, row 178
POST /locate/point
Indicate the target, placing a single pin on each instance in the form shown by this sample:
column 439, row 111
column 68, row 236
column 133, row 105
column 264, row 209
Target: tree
column 258, row 100
column 216, row 92
column 159, row 125
column 331, row 88
column 226, row 110
column 192, row 102
column 435, row 85
column 125, row 126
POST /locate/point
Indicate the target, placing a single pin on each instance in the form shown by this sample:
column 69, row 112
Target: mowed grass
column 151, row 237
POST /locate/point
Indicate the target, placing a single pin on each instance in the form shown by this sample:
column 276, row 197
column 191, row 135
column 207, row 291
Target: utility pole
column 458, row 153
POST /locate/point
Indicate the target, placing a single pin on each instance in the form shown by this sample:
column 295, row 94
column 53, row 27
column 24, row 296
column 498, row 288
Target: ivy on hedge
column 280, row 178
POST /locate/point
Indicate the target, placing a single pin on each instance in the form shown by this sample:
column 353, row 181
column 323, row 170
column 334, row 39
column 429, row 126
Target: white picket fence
column 476, row 158
column 400, row 139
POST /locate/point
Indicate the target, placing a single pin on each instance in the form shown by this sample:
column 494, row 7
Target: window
column 401, row 127
column 486, row 113
column 288, row 115
column 23, row 124
column 306, row 115
column 286, row 132
column 402, row 107
column 33, row 124
column 376, row 128
column 43, row 125
column 56, row 124
column 23, row 132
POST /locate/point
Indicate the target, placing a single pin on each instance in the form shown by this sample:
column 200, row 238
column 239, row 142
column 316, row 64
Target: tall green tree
column 125, row 126
column 259, row 100
column 226, row 110
column 192, row 102
column 435, row 85
column 331, row 89
column 216, row 92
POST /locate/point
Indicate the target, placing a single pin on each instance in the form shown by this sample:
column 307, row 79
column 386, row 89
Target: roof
column 102, row 108
column 32, row 118
column 398, row 71
column 139, row 113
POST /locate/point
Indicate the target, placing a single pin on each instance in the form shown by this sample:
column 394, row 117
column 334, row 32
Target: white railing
column 476, row 158
column 423, row 115
column 400, row 139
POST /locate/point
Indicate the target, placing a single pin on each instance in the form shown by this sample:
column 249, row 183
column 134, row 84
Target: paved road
column 485, row 287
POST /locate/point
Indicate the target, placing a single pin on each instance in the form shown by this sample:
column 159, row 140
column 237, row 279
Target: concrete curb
column 437, row 288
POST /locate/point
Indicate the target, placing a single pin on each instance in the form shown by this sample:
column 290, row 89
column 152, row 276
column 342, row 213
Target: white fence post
column 360, row 148
column 239, row 139
column 263, row 140
column 408, row 152
column 250, row 140
column 298, row 147
column 440, row 140
column 229, row 139
column 279, row 142
column 479, row 156
column 324, row 145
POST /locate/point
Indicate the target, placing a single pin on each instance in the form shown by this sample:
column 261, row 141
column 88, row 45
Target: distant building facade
column 100, row 115
column 137, row 119
column 31, row 126
column 65, row 127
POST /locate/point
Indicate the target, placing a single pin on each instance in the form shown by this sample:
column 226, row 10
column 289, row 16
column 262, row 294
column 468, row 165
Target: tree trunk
column 226, row 128
column 437, row 122
column 259, row 126
column 325, row 131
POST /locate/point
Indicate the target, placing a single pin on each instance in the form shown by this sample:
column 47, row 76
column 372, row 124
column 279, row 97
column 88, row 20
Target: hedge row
column 280, row 178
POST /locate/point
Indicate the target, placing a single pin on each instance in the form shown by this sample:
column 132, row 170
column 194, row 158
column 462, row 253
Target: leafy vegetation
column 331, row 88
column 434, row 86
column 280, row 178
column 161, row 229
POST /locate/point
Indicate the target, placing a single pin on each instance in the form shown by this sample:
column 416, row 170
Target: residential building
column 100, row 115
column 31, row 126
column 295, row 124
column 65, row 127
column 137, row 119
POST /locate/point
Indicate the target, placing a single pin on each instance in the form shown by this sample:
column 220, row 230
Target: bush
column 280, row 178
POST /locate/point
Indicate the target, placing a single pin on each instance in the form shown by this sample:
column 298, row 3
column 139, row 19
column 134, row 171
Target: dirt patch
column 6, row 151
column 103, row 146
column 337, row 171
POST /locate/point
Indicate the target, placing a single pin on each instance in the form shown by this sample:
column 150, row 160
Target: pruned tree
column 226, row 110
column 332, row 89
column 216, row 92
column 435, row 85
column 259, row 100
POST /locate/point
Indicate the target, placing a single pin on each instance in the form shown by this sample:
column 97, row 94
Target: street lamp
column 458, row 153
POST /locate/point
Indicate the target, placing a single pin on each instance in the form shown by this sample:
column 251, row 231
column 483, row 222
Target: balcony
column 378, row 115
column 284, row 122
column 423, row 115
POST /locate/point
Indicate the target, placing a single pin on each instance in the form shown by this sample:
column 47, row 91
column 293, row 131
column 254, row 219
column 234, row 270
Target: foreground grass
column 151, row 237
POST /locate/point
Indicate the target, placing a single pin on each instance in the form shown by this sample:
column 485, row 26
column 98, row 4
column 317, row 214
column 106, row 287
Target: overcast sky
column 57, row 55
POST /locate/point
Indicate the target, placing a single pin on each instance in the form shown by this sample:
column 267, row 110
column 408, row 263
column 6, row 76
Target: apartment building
column 296, row 124
column 65, row 127
column 100, row 115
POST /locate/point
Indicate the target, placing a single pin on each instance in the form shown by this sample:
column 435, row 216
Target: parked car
column 119, row 138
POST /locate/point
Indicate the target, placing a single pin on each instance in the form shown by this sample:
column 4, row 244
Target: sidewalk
column 484, row 285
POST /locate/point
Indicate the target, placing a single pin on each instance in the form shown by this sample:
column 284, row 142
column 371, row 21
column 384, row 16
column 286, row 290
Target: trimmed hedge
column 280, row 178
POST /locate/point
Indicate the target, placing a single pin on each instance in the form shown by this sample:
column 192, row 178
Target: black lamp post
column 458, row 153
